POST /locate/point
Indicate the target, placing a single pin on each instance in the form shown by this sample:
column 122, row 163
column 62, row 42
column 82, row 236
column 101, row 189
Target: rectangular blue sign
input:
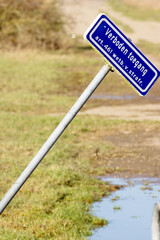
column 123, row 55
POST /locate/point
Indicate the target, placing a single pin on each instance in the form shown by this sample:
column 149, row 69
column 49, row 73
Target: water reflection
column 113, row 97
column 123, row 97
column 128, row 210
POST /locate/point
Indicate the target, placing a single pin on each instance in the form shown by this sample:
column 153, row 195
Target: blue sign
column 122, row 54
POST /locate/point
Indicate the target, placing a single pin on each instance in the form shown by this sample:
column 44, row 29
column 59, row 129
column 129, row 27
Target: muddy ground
column 137, row 151
column 137, row 155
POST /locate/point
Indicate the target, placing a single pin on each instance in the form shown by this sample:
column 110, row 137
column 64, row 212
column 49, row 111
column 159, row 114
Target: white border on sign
column 119, row 34
column 92, row 25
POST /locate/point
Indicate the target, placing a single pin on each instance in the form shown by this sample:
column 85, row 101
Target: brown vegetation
column 30, row 23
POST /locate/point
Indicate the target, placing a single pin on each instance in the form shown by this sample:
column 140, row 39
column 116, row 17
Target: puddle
column 113, row 97
column 128, row 210
column 124, row 97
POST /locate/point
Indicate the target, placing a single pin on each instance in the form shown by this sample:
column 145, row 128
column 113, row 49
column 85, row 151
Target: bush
column 31, row 23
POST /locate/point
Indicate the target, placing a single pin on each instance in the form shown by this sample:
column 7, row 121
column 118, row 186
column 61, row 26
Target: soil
column 85, row 11
column 128, row 112
column 82, row 13
column 150, row 4
column 137, row 153
column 137, row 150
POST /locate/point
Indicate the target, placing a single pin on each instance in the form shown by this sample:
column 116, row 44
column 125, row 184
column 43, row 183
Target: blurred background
column 45, row 64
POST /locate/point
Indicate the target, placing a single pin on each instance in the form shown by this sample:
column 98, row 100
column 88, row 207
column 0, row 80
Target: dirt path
column 127, row 112
column 145, row 30
column 136, row 153
column 136, row 149
column 84, row 12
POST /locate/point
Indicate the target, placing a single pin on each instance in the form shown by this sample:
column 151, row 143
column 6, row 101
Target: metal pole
column 156, row 222
column 53, row 137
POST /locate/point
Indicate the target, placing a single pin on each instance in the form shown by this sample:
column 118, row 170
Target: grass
column 54, row 203
column 37, row 88
column 150, row 4
column 135, row 12
column 50, row 83
column 150, row 48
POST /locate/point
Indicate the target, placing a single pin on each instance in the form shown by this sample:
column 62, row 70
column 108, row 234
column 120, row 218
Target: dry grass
column 150, row 4
column 31, row 23
column 138, row 9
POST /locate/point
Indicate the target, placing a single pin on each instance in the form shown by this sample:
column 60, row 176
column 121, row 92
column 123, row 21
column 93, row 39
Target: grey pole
column 156, row 222
column 53, row 137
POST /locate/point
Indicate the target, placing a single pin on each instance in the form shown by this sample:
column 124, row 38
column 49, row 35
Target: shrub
column 31, row 23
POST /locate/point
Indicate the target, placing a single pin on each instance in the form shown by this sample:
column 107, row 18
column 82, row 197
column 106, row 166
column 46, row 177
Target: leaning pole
column 53, row 137
column 121, row 55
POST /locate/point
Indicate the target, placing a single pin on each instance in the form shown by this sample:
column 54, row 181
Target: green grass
column 55, row 201
column 135, row 12
column 44, row 83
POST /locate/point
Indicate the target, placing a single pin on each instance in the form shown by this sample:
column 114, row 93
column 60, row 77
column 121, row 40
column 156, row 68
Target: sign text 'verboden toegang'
column 123, row 55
